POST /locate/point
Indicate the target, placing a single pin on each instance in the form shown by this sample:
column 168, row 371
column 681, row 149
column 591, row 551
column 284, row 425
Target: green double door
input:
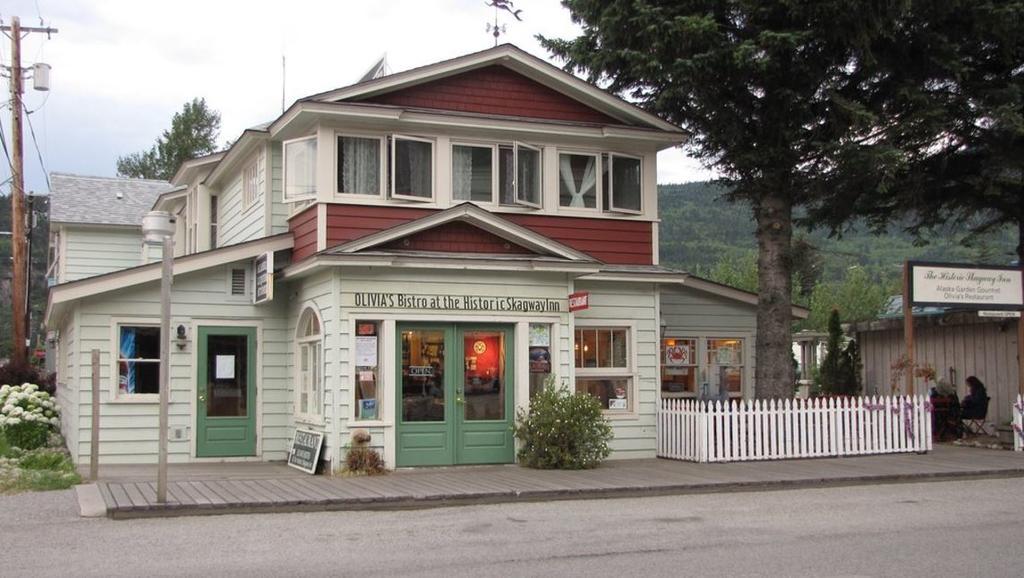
column 455, row 394
column 226, row 392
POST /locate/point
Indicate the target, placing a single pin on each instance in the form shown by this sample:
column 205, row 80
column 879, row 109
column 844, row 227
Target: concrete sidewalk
column 233, row 488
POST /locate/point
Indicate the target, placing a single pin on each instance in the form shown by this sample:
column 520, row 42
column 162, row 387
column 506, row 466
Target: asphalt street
column 948, row 529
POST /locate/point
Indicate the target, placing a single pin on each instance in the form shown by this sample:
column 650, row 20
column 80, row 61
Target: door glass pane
column 227, row 386
column 484, row 385
column 423, row 375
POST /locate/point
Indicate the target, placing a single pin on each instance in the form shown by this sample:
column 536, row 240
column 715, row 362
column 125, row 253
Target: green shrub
column 45, row 459
column 562, row 430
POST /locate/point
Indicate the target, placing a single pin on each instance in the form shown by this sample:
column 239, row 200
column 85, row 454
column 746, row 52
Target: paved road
column 949, row 529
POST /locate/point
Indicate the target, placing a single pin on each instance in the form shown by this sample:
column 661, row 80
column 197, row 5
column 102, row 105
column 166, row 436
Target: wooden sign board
column 988, row 287
column 305, row 451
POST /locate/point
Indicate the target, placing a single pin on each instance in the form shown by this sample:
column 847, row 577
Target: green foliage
column 562, row 430
column 840, row 368
column 41, row 469
column 193, row 133
column 857, row 297
column 27, row 435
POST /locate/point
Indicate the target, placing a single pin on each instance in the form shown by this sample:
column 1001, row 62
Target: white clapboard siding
column 741, row 430
column 1018, row 424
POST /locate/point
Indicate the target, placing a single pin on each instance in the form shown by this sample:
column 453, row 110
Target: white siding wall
column 67, row 387
column 618, row 304
column 235, row 222
column 129, row 428
column 94, row 251
column 317, row 293
column 278, row 209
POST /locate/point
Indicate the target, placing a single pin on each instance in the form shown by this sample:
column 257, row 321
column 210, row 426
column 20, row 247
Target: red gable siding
column 614, row 241
column 493, row 90
column 457, row 237
column 304, row 230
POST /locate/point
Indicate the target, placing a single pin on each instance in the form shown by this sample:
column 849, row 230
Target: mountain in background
column 700, row 228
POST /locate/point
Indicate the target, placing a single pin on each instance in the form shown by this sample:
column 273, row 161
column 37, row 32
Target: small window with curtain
column 138, row 360
column 473, row 173
column 309, row 390
column 300, row 169
column 412, row 169
column 577, row 180
column 359, row 165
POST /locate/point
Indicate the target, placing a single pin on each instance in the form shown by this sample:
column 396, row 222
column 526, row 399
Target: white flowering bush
column 27, row 415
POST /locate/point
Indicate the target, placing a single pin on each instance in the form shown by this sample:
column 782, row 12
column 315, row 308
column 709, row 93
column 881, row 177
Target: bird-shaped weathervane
column 507, row 6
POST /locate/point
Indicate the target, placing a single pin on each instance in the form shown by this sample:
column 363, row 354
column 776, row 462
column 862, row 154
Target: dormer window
column 359, row 166
column 412, row 168
column 577, row 180
column 300, row 169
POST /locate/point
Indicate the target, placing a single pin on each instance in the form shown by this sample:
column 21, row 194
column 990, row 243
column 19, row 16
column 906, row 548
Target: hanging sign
column 966, row 286
column 305, row 451
column 1002, row 314
column 263, row 280
column 579, row 301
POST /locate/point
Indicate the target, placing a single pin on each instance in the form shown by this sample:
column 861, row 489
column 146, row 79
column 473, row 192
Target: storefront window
column 540, row 356
column 367, row 370
column 603, row 366
column 725, row 364
column 679, row 365
column 309, row 392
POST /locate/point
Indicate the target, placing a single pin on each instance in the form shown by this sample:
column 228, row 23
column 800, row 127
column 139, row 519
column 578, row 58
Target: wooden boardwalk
column 250, row 488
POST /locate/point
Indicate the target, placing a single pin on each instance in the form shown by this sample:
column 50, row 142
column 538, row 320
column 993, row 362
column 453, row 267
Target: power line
column 39, row 155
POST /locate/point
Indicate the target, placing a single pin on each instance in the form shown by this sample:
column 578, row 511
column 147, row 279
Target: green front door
column 226, row 392
column 455, row 395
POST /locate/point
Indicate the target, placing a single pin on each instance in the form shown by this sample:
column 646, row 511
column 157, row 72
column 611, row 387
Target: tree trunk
column 774, row 376
column 1020, row 242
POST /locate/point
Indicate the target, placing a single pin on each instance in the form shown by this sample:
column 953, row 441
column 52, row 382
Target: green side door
column 226, row 392
column 455, row 395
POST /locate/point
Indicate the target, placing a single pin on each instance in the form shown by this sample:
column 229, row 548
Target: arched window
column 309, row 338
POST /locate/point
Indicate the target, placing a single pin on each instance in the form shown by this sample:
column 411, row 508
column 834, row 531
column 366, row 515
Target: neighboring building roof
column 102, row 200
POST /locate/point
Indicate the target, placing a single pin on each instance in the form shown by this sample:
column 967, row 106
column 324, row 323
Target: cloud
column 121, row 68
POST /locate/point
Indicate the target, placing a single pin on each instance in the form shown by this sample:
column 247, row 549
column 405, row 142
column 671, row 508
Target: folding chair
column 974, row 421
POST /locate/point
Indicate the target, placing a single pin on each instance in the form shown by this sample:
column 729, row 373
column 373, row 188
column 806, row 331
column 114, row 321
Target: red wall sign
column 579, row 301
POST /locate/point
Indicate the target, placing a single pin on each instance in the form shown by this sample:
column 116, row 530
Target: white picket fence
column 739, row 430
column 1018, row 424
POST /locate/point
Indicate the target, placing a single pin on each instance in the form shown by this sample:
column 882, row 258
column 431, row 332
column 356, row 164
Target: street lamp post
column 158, row 228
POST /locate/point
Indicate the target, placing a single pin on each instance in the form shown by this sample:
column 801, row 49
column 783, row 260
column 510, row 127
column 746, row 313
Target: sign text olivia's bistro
column 373, row 300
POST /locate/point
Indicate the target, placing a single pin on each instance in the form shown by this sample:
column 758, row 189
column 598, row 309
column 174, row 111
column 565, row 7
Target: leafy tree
column 857, row 297
column 776, row 95
column 193, row 133
column 962, row 161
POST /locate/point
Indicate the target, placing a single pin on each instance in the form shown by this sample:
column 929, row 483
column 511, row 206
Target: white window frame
column 611, row 185
column 394, row 138
column 494, row 171
column 383, row 374
column 284, row 170
column 703, row 366
column 253, row 176
column 631, row 372
column 305, row 345
column 115, row 339
column 598, row 188
column 382, row 169
column 518, row 201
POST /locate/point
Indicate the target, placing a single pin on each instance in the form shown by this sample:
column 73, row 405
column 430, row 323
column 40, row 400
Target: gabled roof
column 472, row 215
column 102, row 200
column 513, row 58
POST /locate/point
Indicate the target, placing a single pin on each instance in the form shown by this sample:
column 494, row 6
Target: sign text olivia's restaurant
column 374, row 300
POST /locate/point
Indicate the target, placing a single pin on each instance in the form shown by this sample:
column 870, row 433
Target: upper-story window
column 252, row 181
column 300, row 169
column 622, row 191
column 519, row 175
column 577, row 180
column 473, row 173
column 359, row 166
column 412, row 168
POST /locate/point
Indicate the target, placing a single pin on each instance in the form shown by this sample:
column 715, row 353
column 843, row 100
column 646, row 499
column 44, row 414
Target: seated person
column 975, row 403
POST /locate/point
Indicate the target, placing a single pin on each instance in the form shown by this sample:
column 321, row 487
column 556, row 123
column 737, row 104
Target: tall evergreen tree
column 777, row 95
column 193, row 133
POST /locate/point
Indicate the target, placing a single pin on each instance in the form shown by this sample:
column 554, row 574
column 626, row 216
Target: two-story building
column 423, row 232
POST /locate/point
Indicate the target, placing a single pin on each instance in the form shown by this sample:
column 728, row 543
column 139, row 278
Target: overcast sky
column 122, row 68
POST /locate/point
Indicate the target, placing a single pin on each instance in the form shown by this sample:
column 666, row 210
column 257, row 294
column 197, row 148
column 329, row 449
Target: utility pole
column 19, row 289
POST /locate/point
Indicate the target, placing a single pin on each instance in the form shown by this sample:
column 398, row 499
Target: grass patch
column 38, row 470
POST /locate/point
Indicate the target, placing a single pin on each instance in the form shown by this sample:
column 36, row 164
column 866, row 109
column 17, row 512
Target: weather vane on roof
column 507, row 6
